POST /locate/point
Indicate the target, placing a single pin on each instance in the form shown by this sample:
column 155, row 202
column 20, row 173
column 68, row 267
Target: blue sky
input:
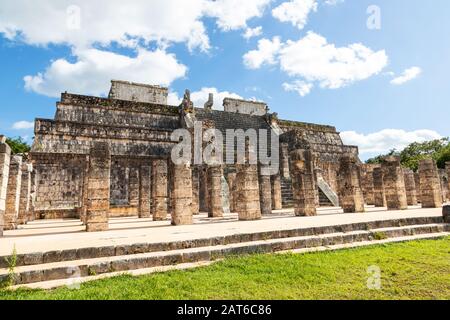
column 301, row 62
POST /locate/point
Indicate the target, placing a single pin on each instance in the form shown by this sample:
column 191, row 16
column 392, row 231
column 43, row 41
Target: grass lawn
column 410, row 270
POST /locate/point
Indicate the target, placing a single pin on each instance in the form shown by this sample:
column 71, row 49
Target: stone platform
column 49, row 250
column 59, row 234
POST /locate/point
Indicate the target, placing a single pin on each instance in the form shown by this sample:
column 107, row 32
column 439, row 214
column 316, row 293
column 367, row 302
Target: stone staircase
column 65, row 265
column 323, row 200
column 287, row 196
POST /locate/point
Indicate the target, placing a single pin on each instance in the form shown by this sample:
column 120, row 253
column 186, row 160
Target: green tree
column 377, row 159
column 410, row 156
column 18, row 145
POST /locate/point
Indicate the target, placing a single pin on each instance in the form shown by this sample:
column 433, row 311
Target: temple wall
column 59, row 183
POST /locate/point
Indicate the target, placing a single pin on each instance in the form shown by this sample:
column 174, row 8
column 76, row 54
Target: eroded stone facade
column 351, row 197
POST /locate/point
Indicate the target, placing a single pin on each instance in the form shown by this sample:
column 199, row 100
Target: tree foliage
column 18, row 145
column 438, row 150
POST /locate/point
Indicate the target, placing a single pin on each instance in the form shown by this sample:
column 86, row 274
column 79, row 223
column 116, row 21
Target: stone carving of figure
column 186, row 105
column 209, row 104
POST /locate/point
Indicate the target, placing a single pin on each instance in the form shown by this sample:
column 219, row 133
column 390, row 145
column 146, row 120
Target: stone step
column 51, row 284
column 94, row 266
column 120, row 250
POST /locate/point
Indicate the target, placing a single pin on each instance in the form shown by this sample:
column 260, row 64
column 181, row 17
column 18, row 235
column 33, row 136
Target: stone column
column 417, row 183
column 159, row 190
column 276, row 192
column 25, row 194
column 5, row 155
column 284, row 160
column 367, row 183
column 215, row 191
column 144, row 210
column 265, row 191
column 410, row 185
column 84, row 193
column 204, row 201
column 447, row 169
column 13, row 193
column 430, row 189
column 379, row 197
column 133, row 187
column 181, row 195
column 303, row 183
column 195, row 191
column 394, row 184
column 231, row 179
column 351, row 197
column 98, row 187
column 33, row 196
column 247, row 192
column 247, row 187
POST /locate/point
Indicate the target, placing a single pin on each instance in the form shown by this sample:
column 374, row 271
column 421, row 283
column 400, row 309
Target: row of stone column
column 17, row 189
column 395, row 187
column 252, row 192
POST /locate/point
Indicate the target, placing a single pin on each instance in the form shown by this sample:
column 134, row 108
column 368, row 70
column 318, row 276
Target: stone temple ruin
column 110, row 157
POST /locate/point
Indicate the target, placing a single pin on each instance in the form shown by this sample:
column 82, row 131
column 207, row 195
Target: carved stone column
column 195, row 190
column 351, row 197
column 417, row 183
column 5, row 155
column 144, row 209
column 379, row 197
column 204, row 201
column 181, row 195
column 303, row 182
column 394, row 184
column 284, row 156
column 276, row 192
column 98, row 187
column 215, row 191
column 367, row 183
column 447, row 169
column 410, row 185
column 25, row 194
column 265, row 191
column 247, row 187
column 13, row 193
column 430, row 188
column 159, row 190
column 231, row 179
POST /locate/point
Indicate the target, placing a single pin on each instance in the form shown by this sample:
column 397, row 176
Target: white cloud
column 301, row 87
column 252, row 32
column 296, row 12
column 234, row 14
column 265, row 54
column 94, row 69
column 333, row 2
column 387, row 139
column 312, row 59
column 104, row 21
column 200, row 97
column 23, row 125
column 407, row 75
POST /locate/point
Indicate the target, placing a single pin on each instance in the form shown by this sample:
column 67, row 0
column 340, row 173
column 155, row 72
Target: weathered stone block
column 181, row 195
column 159, row 190
column 303, row 182
column 394, row 184
column 349, row 180
column 13, row 193
column 98, row 200
column 410, row 184
column 430, row 185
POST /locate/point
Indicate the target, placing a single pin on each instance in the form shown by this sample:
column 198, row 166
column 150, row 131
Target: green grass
column 410, row 270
